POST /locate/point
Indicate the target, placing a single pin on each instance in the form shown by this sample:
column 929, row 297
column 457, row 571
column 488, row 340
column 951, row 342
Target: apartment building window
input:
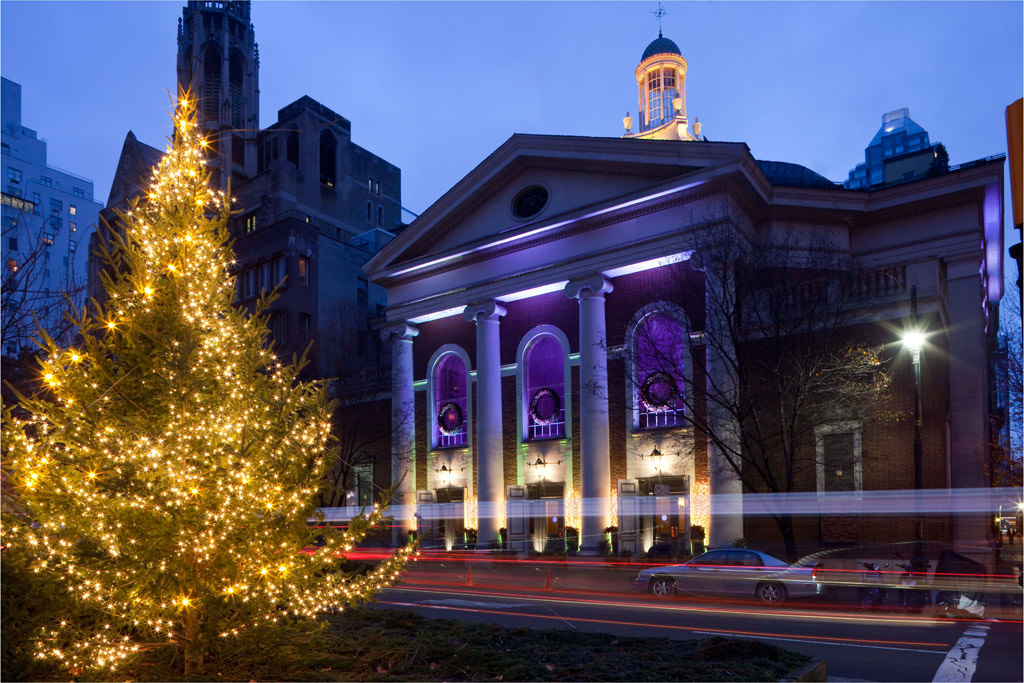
column 45, row 181
column 303, row 271
column 14, row 191
column 72, row 246
column 279, row 327
column 369, row 211
column 380, row 216
column 838, row 452
column 36, row 202
column 13, row 175
column 362, row 295
column 73, row 210
column 369, row 184
column 56, row 206
column 305, row 326
column 250, row 223
column 78, row 192
column 376, row 187
column 328, row 159
column 56, row 223
column 12, row 243
column 248, row 283
column 73, row 226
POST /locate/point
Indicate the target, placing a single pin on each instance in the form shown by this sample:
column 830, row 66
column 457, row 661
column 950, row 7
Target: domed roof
column 794, row 175
column 661, row 46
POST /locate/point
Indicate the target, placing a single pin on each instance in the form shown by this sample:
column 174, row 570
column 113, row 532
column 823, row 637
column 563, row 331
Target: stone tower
column 218, row 61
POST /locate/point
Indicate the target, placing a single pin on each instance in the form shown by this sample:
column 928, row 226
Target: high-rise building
column 312, row 208
column 900, row 151
column 48, row 216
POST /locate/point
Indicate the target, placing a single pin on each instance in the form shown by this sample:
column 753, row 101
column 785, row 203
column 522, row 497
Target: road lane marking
column 455, row 602
column 962, row 659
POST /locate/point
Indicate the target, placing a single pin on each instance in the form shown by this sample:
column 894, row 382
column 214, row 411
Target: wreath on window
column 544, row 406
column 659, row 392
column 449, row 419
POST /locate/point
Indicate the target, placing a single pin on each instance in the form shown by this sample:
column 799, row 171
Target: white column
column 403, row 429
column 595, row 465
column 490, row 469
column 724, row 446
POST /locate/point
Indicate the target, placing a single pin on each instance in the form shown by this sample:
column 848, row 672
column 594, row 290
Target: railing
column 552, row 430
column 879, row 282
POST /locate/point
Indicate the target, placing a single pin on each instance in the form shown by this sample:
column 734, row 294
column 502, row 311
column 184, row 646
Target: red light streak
column 672, row 627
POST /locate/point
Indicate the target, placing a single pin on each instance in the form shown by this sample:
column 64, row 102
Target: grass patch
column 371, row 644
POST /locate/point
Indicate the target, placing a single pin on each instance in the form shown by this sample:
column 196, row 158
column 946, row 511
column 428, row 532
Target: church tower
column 661, row 95
column 218, row 61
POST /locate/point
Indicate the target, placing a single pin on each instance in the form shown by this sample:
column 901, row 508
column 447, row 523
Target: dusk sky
column 435, row 87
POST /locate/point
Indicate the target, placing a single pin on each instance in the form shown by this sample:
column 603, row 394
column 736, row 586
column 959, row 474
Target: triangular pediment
column 575, row 173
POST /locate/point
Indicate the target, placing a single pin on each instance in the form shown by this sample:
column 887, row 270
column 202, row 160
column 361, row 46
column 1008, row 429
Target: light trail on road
column 582, row 597
column 940, row 647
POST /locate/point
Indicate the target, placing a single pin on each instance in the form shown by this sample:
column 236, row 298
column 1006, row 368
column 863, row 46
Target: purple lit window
column 659, row 352
column 544, row 384
column 450, row 401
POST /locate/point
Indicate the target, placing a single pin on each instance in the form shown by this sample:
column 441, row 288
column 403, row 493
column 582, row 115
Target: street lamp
column 913, row 340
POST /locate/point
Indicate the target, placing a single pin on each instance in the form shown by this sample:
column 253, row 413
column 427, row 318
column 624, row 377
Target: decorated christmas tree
column 167, row 471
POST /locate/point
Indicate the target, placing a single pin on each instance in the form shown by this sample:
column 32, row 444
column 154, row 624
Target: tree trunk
column 785, row 522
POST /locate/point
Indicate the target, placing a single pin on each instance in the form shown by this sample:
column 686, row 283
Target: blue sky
column 435, row 87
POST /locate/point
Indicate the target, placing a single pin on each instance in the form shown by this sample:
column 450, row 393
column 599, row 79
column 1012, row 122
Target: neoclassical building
column 544, row 316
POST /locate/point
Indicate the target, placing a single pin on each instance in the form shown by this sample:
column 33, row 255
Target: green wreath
column 449, row 419
column 663, row 402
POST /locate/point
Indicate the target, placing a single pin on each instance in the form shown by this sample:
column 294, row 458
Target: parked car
column 735, row 572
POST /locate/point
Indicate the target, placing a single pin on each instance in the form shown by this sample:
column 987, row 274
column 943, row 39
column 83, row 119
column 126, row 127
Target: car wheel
column 771, row 593
column 662, row 587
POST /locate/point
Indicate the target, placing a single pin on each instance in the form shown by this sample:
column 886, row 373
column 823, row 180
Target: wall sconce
column 542, row 466
column 446, row 474
column 655, row 457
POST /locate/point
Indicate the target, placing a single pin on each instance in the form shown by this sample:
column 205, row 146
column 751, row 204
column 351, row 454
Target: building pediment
column 574, row 174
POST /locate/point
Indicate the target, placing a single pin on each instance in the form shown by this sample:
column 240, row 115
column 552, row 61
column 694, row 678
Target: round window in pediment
column 530, row 201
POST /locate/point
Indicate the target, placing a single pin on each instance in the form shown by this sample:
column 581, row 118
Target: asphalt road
column 858, row 645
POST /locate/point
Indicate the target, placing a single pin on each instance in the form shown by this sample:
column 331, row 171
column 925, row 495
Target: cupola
column 661, row 95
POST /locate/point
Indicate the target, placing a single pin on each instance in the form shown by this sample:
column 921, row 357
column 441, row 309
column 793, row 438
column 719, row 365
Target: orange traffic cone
column 548, row 583
column 469, row 576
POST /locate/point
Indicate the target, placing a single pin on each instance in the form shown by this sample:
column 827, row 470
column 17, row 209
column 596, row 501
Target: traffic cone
column 548, row 583
column 469, row 576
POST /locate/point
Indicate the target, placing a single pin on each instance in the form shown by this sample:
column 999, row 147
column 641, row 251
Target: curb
column 814, row 670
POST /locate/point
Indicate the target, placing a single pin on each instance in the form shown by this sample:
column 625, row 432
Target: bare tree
column 781, row 350
column 1007, row 460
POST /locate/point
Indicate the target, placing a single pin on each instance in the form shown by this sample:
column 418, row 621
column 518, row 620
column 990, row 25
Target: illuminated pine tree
column 167, row 472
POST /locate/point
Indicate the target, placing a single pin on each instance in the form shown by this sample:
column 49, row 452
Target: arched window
column 659, row 351
column 451, row 398
column 211, row 83
column 328, row 160
column 661, row 90
column 235, row 69
column 544, row 388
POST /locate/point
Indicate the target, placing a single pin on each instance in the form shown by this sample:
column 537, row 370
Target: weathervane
column 659, row 13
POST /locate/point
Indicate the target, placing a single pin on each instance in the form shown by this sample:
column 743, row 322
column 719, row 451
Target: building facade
column 48, row 217
column 551, row 319
column 312, row 208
